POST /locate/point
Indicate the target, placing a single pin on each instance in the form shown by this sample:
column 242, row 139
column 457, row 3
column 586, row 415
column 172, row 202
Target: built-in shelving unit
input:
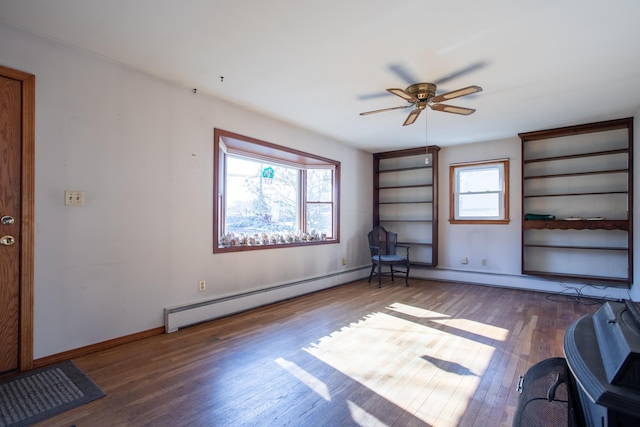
column 581, row 176
column 405, row 200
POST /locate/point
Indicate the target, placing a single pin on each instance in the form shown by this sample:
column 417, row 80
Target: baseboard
column 104, row 345
column 519, row 281
column 185, row 315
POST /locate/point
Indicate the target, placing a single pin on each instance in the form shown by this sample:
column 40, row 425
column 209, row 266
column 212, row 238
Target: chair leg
column 406, row 277
column 391, row 267
column 373, row 267
column 379, row 275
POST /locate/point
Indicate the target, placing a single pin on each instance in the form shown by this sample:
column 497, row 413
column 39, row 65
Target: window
column 479, row 193
column 271, row 196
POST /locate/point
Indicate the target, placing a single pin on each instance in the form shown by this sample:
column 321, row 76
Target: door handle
column 7, row 240
column 6, row 220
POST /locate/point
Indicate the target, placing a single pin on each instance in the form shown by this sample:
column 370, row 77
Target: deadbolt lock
column 7, row 240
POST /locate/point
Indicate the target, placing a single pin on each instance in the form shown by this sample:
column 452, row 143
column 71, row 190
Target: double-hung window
column 272, row 196
column 479, row 192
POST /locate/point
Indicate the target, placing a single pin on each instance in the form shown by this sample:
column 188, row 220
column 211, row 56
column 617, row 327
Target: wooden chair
column 383, row 245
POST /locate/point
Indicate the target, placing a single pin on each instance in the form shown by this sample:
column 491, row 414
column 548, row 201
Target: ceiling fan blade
column 413, row 115
column 402, row 94
column 368, row 96
column 384, row 109
column 456, row 93
column 452, row 109
column 403, row 73
column 471, row 68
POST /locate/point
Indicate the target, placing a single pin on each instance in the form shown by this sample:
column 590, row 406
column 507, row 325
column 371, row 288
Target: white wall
column 500, row 245
column 142, row 150
column 495, row 243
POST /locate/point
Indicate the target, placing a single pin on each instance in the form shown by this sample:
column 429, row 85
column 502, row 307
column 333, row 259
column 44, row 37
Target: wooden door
column 16, row 220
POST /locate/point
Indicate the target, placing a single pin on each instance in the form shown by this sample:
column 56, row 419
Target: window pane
column 479, row 205
column 319, row 218
column 479, row 180
column 261, row 197
column 319, row 185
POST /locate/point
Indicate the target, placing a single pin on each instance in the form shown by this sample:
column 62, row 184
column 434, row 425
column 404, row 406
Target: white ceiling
column 317, row 64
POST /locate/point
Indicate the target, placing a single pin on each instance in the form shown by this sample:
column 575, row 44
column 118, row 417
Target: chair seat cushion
column 388, row 258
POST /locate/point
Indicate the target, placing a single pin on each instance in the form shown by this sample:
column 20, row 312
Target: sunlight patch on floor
column 362, row 417
column 467, row 325
column 305, row 378
column 429, row 372
column 483, row 329
column 418, row 312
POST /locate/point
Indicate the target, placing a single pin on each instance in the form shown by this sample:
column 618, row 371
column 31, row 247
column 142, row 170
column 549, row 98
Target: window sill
column 259, row 246
column 480, row 221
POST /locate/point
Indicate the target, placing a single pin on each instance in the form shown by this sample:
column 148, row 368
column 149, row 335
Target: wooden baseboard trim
column 104, row 345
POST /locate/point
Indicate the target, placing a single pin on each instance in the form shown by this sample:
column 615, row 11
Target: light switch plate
column 73, row 198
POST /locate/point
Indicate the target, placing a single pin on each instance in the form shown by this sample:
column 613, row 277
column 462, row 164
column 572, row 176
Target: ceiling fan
column 423, row 95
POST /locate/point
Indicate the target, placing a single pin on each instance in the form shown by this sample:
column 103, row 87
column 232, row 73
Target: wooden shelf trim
column 421, row 264
column 416, row 243
column 558, row 224
column 603, row 126
column 598, row 248
column 564, row 175
column 576, row 194
column 395, row 187
column 405, row 220
column 621, row 281
column 405, row 169
column 577, row 156
column 406, row 203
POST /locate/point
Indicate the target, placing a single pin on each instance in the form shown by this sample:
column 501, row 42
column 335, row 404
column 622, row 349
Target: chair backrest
column 385, row 240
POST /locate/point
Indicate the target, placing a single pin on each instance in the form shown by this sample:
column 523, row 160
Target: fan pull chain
column 426, row 137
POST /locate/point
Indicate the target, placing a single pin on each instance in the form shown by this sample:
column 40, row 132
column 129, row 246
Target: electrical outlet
column 344, row 261
column 464, row 260
column 73, row 198
column 203, row 285
column 484, row 262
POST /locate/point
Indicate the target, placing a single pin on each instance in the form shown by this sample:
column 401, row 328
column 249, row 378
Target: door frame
column 27, row 214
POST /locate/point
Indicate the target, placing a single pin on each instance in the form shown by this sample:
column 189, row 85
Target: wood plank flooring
column 432, row 354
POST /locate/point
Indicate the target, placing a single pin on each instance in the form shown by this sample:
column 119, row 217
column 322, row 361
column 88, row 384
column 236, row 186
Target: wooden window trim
column 452, row 193
column 263, row 149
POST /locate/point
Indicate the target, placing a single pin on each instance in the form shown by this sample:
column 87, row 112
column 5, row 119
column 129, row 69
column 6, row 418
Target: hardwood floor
column 432, row 354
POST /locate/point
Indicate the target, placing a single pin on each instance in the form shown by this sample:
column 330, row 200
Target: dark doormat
column 34, row 396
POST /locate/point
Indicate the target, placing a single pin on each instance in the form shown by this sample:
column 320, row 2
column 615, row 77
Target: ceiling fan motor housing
column 422, row 91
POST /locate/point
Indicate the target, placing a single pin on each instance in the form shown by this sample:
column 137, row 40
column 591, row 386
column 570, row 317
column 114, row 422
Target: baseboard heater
column 190, row 314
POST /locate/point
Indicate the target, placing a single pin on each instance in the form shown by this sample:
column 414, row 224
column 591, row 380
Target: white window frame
column 502, row 166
